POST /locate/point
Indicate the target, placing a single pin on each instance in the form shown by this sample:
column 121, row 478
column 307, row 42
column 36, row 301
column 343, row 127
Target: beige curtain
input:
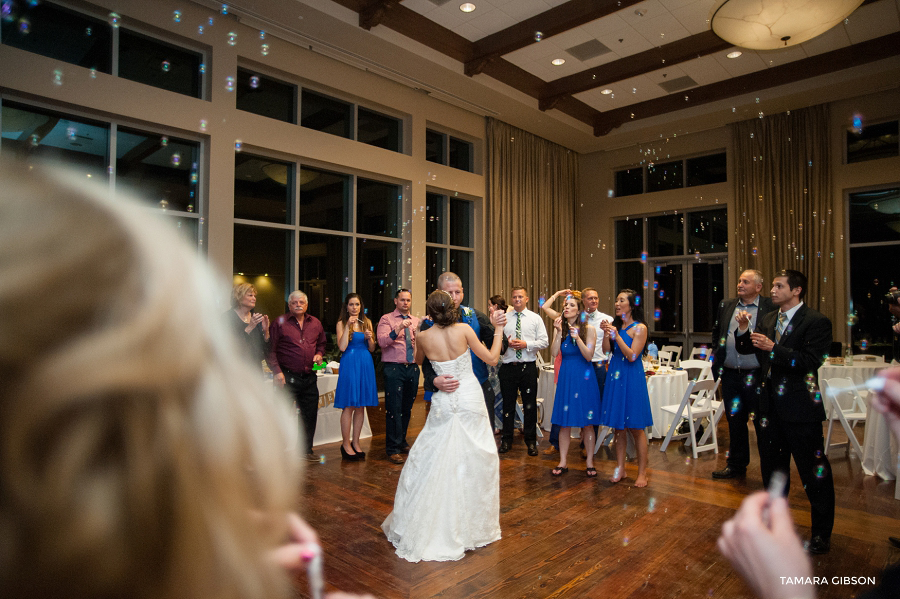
column 531, row 200
column 783, row 199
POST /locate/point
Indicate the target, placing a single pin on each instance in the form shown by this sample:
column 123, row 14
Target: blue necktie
column 410, row 356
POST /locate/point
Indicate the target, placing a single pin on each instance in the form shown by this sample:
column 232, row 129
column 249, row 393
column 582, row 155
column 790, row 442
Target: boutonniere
column 466, row 311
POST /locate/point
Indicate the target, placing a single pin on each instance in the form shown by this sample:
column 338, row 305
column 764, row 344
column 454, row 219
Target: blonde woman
column 356, row 388
column 251, row 328
column 140, row 454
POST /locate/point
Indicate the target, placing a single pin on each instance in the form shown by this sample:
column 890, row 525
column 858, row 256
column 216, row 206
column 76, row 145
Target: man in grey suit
column 791, row 344
column 738, row 372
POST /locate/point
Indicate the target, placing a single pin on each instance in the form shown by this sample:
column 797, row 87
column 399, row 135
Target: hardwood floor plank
column 577, row 537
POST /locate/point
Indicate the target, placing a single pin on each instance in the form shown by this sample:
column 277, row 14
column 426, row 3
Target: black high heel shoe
column 360, row 454
column 347, row 457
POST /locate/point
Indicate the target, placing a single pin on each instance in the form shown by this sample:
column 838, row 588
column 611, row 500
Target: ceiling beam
column 822, row 64
column 670, row 54
column 551, row 22
column 417, row 27
column 373, row 12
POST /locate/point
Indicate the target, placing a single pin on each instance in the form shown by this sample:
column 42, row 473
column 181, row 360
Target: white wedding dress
column 448, row 496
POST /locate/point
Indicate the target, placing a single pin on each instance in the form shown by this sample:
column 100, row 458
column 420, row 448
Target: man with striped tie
column 527, row 336
column 791, row 344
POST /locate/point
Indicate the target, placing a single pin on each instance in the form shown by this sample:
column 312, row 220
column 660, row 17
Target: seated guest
column 142, row 455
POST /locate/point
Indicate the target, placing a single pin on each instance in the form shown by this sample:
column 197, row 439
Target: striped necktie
column 779, row 330
column 518, row 333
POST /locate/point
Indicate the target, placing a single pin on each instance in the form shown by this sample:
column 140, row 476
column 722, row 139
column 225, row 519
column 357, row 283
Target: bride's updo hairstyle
column 440, row 309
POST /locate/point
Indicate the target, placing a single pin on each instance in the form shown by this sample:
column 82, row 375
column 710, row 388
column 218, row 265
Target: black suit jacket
column 723, row 323
column 788, row 373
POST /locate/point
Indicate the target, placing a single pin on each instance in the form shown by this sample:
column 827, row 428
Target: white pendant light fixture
column 774, row 24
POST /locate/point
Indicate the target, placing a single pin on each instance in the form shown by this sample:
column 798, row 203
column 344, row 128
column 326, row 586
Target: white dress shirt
column 790, row 316
column 534, row 334
column 594, row 319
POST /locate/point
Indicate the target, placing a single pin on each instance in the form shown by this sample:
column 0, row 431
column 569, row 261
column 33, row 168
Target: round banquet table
column 665, row 389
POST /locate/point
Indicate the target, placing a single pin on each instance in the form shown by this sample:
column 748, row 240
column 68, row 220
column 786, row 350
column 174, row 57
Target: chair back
column 842, row 392
column 665, row 358
column 675, row 350
column 698, row 370
column 701, row 353
column 702, row 393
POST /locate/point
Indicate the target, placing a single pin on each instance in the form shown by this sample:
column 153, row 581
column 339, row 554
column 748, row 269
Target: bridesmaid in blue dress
column 577, row 401
column 626, row 403
column 356, row 378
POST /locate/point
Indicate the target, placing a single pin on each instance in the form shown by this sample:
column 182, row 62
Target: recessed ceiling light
column 606, row 91
column 558, row 61
column 467, row 7
column 734, row 54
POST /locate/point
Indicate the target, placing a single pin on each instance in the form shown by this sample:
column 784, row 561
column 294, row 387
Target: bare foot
column 618, row 475
column 641, row 481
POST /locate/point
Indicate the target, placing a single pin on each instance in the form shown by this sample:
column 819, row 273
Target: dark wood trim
column 836, row 60
column 374, row 11
column 551, row 22
column 679, row 51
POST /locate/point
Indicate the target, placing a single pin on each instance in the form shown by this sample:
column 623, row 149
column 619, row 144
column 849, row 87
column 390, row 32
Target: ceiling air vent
column 588, row 50
column 676, row 85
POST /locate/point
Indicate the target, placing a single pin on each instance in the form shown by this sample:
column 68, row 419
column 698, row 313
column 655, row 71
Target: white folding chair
column 539, row 360
column 697, row 403
column 701, row 353
column 698, row 370
column 606, row 432
column 676, row 352
column 665, row 358
column 843, row 403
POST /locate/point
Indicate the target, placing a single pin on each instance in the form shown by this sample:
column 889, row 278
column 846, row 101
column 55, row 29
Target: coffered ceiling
column 624, row 65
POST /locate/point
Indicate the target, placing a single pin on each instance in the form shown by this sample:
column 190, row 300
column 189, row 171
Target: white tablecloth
column 879, row 447
column 328, row 424
column 547, row 390
column 664, row 389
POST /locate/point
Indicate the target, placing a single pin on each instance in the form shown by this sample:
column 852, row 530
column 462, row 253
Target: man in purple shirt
column 396, row 334
column 296, row 340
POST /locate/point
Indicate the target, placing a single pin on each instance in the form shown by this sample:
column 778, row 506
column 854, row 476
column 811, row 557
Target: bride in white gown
column 448, row 496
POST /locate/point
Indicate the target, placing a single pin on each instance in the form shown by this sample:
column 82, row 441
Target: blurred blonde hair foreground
column 140, row 456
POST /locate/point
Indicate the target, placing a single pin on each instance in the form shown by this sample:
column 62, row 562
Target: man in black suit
column 738, row 372
column 790, row 345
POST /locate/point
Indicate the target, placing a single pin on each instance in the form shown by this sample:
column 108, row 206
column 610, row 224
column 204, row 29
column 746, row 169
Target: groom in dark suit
column 738, row 372
column 790, row 345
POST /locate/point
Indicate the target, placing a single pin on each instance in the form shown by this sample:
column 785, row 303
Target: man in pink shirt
column 396, row 334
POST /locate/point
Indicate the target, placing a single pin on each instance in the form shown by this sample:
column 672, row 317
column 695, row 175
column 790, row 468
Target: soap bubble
column 176, row 16
column 232, row 38
column 254, row 82
column 114, row 20
column 166, row 66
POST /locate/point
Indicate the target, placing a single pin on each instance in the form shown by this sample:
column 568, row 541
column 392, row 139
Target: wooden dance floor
column 579, row 537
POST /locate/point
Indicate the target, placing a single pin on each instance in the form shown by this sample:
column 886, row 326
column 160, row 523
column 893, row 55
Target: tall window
column 449, row 236
column 676, row 262
column 450, row 151
column 318, row 230
column 874, row 226
column 345, row 119
column 161, row 170
column 872, row 142
column 89, row 41
column 674, row 174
